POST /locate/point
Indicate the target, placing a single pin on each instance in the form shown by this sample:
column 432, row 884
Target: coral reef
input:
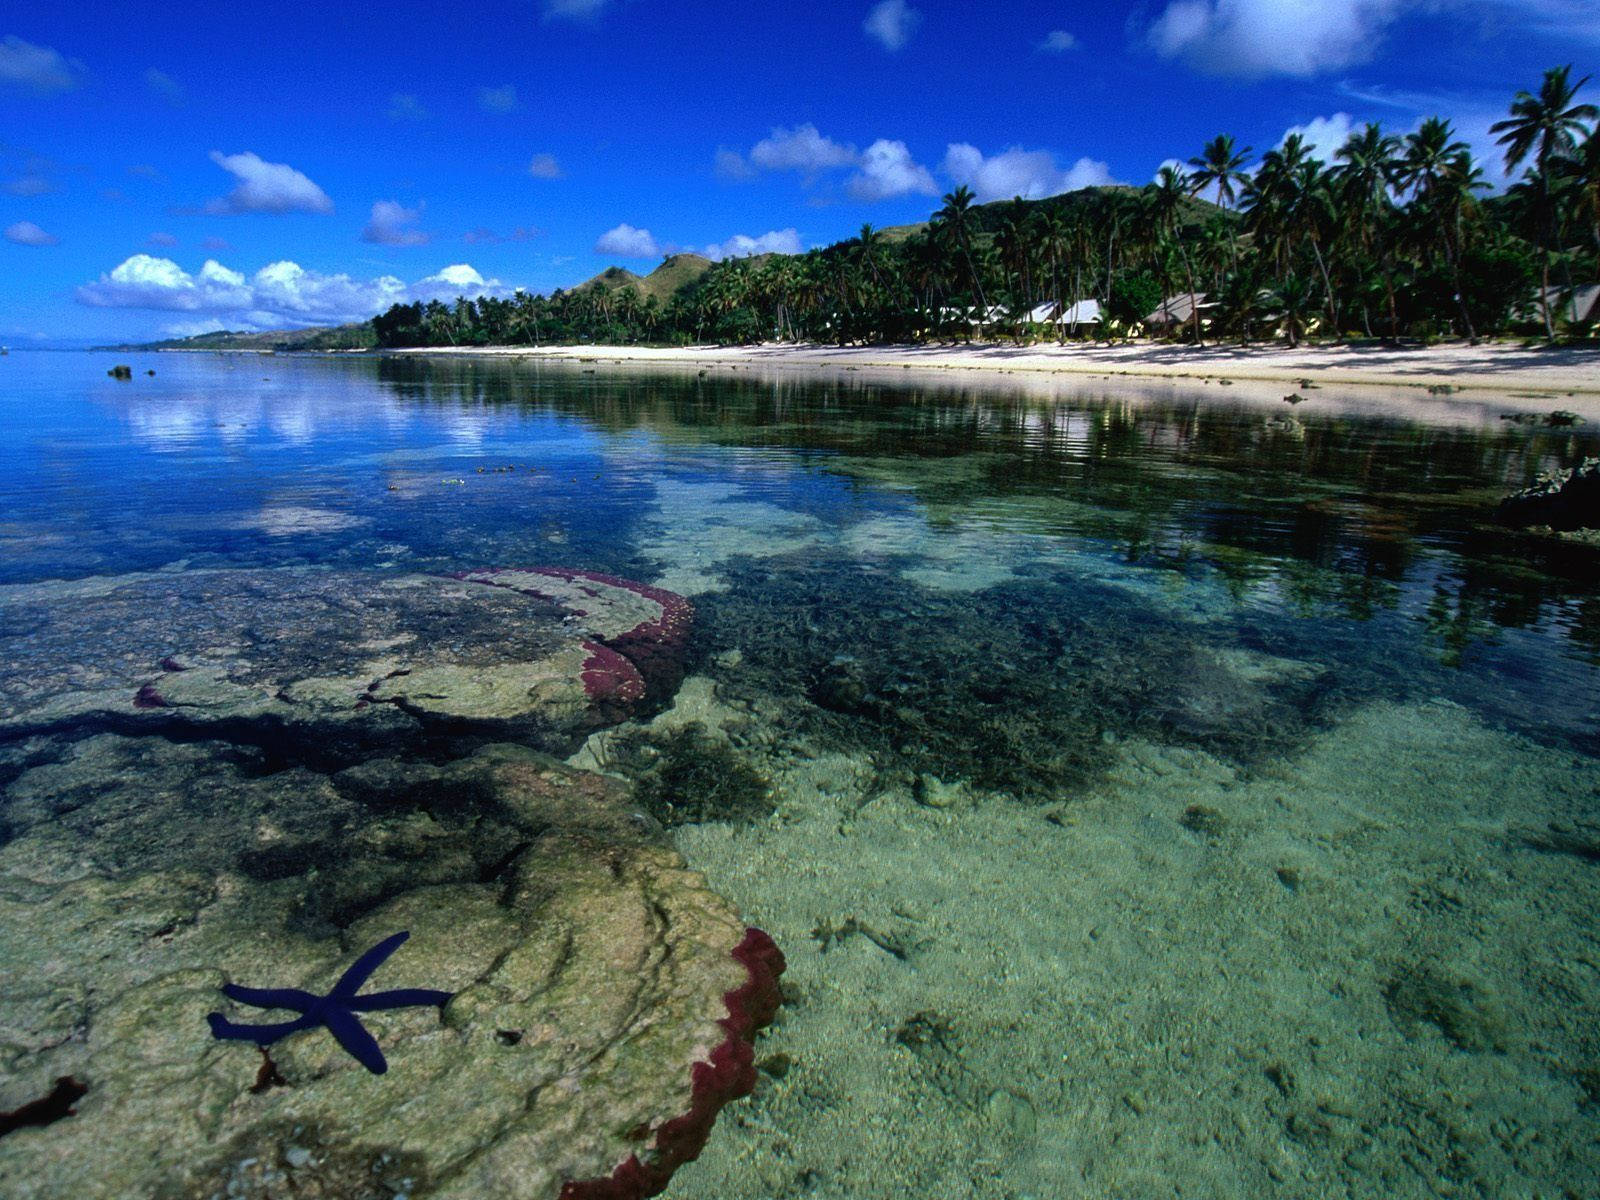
column 603, row 1009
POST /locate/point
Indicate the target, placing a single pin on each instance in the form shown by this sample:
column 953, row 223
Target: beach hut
column 1068, row 316
column 1178, row 312
column 1578, row 305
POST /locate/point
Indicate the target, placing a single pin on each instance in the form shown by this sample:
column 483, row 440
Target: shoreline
column 1484, row 367
column 1451, row 383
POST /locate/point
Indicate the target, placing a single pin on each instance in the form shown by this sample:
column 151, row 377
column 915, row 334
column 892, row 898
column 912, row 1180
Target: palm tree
column 1546, row 126
column 1365, row 180
column 1440, row 174
column 1167, row 195
column 1586, row 176
column 1220, row 166
column 956, row 217
column 1291, row 303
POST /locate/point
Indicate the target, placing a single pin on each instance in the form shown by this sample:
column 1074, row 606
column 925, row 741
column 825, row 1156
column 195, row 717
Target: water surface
column 1197, row 759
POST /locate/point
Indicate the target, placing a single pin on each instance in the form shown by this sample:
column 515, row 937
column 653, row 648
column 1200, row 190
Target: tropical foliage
column 1396, row 236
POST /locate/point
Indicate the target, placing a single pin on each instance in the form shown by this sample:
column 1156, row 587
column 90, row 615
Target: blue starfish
column 337, row 1010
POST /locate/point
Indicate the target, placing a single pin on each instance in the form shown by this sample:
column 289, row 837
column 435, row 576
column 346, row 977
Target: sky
column 170, row 169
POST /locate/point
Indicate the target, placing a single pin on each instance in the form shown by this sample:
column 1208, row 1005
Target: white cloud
column 405, row 107
column 779, row 241
column 577, row 10
column 501, row 99
column 38, row 68
column 461, row 279
column 281, row 292
column 392, row 224
column 144, row 281
column 1032, row 174
column 1058, row 41
column 1324, row 135
column 888, row 170
column 883, row 170
column 891, row 24
column 545, row 166
column 801, row 149
column 26, row 233
column 265, row 187
column 1254, row 38
column 627, row 242
column 165, row 86
column 730, row 164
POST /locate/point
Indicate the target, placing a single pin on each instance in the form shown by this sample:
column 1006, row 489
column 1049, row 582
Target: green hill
column 287, row 341
column 675, row 273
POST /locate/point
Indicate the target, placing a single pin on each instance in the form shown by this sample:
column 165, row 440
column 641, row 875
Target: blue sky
column 188, row 166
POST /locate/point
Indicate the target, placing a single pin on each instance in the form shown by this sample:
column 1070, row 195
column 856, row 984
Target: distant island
column 1393, row 239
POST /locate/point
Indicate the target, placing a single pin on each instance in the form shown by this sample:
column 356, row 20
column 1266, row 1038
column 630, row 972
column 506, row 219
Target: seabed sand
column 1353, row 973
column 1488, row 373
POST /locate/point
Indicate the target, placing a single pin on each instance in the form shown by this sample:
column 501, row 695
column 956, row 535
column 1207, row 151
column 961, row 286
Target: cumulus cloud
column 627, row 242
column 891, row 24
column 266, row 187
column 1032, row 174
column 392, row 224
column 802, row 149
column 26, row 233
column 37, row 68
column 405, row 107
column 545, row 166
column 1324, row 135
column 883, row 170
column 165, row 86
column 576, row 10
column 779, row 241
column 1254, row 38
column 281, row 292
column 1058, row 41
column 887, row 170
column 501, row 99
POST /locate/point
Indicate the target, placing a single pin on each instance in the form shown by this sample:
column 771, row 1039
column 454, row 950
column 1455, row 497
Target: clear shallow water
column 919, row 604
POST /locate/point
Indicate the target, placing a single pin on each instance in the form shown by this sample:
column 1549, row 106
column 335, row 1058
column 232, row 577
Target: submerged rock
column 604, row 997
column 1565, row 501
column 328, row 663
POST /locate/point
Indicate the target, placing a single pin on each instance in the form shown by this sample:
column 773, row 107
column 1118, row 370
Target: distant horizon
column 174, row 172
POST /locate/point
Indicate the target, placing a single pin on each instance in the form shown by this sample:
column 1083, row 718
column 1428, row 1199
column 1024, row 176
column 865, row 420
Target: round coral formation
column 212, row 803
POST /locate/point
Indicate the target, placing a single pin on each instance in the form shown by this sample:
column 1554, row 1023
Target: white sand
column 1492, row 372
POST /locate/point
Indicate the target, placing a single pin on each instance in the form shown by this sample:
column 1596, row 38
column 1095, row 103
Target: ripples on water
column 950, row 592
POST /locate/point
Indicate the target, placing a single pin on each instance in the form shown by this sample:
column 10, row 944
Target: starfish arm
column 271, row 997
column 225, row 1030
column 353, row 1037
column 400, row 998
column 361, row 970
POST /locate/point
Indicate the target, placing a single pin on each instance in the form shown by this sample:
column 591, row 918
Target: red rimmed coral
column 650, row 626
column 729, row 1075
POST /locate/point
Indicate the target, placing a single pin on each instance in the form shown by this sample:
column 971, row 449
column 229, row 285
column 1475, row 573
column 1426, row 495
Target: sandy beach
column 1496, row 372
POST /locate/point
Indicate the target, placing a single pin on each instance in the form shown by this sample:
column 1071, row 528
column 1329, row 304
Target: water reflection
column 1319, row 514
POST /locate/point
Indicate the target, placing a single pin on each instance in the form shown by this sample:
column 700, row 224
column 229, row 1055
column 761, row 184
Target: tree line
column 1396, row 237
